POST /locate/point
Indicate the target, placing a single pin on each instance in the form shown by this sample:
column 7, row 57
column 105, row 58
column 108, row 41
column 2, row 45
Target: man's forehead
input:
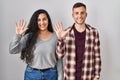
column 79, row 9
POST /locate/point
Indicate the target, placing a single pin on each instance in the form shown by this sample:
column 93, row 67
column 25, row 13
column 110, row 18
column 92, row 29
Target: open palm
column 20, row 27
column 61, row 33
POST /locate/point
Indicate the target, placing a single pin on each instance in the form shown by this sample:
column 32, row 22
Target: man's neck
column 80, row 27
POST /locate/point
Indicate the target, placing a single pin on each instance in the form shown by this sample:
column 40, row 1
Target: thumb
column 67, row 31
column 25, row 30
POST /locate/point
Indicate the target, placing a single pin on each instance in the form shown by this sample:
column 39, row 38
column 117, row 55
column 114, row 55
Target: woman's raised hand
column 61, row 33
column 20, row 27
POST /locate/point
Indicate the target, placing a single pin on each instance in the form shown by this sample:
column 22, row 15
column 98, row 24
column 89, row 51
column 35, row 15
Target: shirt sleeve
column 17, row 43
column 97, row 56
column 60, row 50
column 60, row 69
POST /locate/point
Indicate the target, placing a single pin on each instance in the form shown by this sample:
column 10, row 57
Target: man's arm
column 97, row 57
column 60, row 50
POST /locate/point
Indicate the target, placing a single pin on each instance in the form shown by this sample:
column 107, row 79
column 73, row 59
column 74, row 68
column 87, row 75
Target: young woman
column 36, row 43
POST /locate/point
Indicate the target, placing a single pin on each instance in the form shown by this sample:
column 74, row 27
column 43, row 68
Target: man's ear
column 72, row 14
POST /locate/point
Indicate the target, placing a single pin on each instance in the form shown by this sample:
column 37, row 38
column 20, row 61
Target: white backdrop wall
column 102, row 14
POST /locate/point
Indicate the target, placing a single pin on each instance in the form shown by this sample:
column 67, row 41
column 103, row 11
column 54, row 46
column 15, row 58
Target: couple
column 42, row 48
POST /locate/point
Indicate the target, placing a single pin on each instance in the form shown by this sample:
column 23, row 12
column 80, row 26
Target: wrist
column 97, row 77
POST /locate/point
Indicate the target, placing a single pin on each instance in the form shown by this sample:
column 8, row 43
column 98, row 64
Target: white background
column 102, row 14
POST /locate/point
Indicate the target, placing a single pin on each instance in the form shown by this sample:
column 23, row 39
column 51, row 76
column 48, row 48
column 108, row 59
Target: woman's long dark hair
column 27, row 52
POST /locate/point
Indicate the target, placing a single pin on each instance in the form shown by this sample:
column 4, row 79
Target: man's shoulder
column 69, row 27
column 90, row 27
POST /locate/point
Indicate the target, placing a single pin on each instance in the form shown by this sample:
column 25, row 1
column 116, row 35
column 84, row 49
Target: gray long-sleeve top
column 44, row 52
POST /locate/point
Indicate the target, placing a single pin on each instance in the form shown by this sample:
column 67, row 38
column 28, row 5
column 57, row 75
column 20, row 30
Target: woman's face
column 42, row 22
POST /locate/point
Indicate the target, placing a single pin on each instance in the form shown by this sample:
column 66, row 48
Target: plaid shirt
column 91, row 65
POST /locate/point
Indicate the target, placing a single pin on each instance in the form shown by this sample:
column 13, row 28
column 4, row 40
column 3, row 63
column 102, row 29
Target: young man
column 80, row 43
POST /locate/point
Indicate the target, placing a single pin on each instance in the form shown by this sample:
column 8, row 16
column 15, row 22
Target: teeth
column 79, row 19
column 42, row 25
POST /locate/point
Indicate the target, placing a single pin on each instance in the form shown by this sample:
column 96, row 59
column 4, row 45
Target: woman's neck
column 44, row 32
column 45, row 35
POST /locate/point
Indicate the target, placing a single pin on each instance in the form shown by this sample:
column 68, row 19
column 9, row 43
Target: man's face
column 79, row 15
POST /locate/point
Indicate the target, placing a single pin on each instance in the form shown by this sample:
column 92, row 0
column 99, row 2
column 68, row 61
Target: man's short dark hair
column 79, row 4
